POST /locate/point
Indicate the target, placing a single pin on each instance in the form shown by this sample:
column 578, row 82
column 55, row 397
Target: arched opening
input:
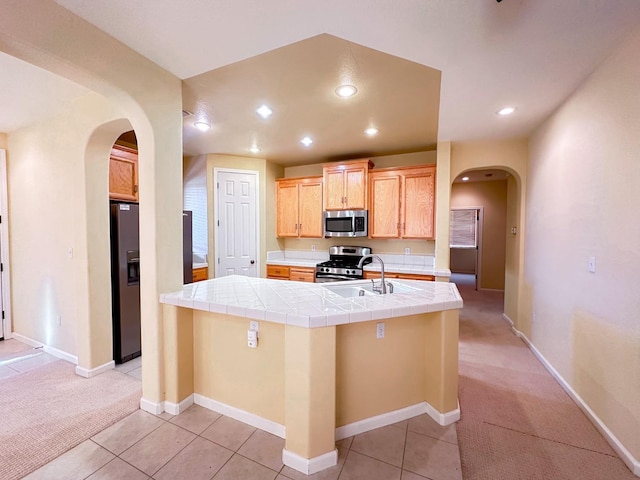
column 495, row 192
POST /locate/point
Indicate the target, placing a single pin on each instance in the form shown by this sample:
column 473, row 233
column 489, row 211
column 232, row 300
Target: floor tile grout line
column 404, row 448
column 434, row 438
column 176, row 454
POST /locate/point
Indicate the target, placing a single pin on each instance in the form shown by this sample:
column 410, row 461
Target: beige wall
column 492, row 197
column 422, row 247
column 46, row 218
column 3, row 140
column 268, row 172
column 151, row 99
column 512, row 156
column 581, row 202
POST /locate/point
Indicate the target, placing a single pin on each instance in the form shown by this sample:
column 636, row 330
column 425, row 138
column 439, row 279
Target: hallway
column 517, row 421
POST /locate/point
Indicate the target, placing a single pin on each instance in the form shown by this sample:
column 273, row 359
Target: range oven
column 342, row 264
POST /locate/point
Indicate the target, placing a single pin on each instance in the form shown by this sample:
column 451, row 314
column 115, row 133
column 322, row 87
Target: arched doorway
column 478, row 227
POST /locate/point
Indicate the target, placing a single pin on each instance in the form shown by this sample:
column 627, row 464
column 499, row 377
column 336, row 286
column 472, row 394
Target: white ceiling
column 527, row 53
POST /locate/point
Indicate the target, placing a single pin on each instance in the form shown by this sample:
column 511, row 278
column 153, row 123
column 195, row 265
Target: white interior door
column 237, row 223
column 5, row 307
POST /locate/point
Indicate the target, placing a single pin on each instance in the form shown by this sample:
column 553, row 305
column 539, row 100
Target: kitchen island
column 332, row 360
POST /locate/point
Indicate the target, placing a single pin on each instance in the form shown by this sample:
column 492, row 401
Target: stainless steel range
column 342, row 264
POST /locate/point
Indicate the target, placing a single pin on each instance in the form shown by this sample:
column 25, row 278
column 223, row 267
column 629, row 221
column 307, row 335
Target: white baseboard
column 630, row 461
column 241, row 415
column 88, row 373
column 155, row 408
column 446, row 418
column 509, row 321
column 309, row 466
column 396, row 416
column 178, row 408
column 47, row 348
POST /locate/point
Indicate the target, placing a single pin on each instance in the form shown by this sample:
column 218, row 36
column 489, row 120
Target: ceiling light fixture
column 202, row 126
column 506, row 111
column 306, row 141
column 465, row 179
column 346, row 91
column 254, row 149
column 371, row 131
column 264, row 111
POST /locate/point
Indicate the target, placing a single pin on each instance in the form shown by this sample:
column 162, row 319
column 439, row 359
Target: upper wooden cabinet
column 402, row 202
column 346, row 185
column 123, row 174
column 299, row 207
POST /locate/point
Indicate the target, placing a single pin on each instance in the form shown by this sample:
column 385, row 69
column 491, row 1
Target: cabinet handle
column 296, row 227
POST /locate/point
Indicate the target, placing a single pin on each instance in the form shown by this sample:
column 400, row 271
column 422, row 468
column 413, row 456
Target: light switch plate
column 592, row 264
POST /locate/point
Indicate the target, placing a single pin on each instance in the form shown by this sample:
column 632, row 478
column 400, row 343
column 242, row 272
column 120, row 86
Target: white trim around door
column 5, row 283
column 217, row 171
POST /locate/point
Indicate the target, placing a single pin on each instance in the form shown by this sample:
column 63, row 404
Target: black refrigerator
column 125, row 281
column 125, row 276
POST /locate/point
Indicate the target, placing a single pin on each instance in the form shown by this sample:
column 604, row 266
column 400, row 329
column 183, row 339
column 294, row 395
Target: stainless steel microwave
column 346, row 223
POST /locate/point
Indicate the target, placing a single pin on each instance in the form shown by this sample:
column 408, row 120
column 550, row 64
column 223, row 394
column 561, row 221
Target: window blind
column 463, row 228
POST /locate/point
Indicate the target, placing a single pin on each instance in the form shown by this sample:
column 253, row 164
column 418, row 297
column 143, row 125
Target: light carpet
column 516, row 421
column 48, row 410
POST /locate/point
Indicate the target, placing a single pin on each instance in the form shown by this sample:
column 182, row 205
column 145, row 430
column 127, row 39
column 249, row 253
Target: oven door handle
column 328, row 278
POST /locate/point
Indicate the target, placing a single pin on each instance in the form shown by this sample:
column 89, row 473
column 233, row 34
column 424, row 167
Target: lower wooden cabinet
column 200, row 274
column 296, row 274
column 400, row 276
column 302, row 274
column 278, row 272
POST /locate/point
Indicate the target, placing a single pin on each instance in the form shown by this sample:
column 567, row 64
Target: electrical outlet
column 533, row 317
column 380, row 330
column 59, row 320
column 254, row 325
column 313, row 248
column 70, row 252
column 252, row 339
column 407, row 251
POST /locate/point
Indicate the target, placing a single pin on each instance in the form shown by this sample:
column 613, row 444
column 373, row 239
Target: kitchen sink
column 349, row 291
column 364, row 289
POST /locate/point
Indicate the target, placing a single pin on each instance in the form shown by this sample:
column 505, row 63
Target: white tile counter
column 310, row 305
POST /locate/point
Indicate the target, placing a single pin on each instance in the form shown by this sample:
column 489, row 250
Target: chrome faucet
column 383, row 286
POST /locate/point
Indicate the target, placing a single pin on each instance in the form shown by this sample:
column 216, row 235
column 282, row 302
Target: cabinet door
column 334, row 189
column 123, row 174
column 384, row 215
column 418, row 205
column 302, row 274
column 310, row 210
column 287, row 209
column 355, row 188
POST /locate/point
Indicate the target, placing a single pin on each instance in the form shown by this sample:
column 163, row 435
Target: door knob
column 252, row 262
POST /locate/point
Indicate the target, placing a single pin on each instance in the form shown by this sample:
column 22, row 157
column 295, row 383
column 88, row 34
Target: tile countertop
column 311, row 305
column 414, row 264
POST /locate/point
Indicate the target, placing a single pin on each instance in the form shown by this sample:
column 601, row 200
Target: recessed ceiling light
column 465, row 179
column 254, row 149
column 306, row 141
column 203, row 126
column 346, row 91
column 264, row 111
column 506, row 110
column 371, row 131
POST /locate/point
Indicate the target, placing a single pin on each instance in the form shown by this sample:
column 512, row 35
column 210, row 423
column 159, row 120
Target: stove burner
column 342, row 264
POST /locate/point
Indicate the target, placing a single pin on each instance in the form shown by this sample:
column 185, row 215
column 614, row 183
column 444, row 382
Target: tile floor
column 200, row 444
